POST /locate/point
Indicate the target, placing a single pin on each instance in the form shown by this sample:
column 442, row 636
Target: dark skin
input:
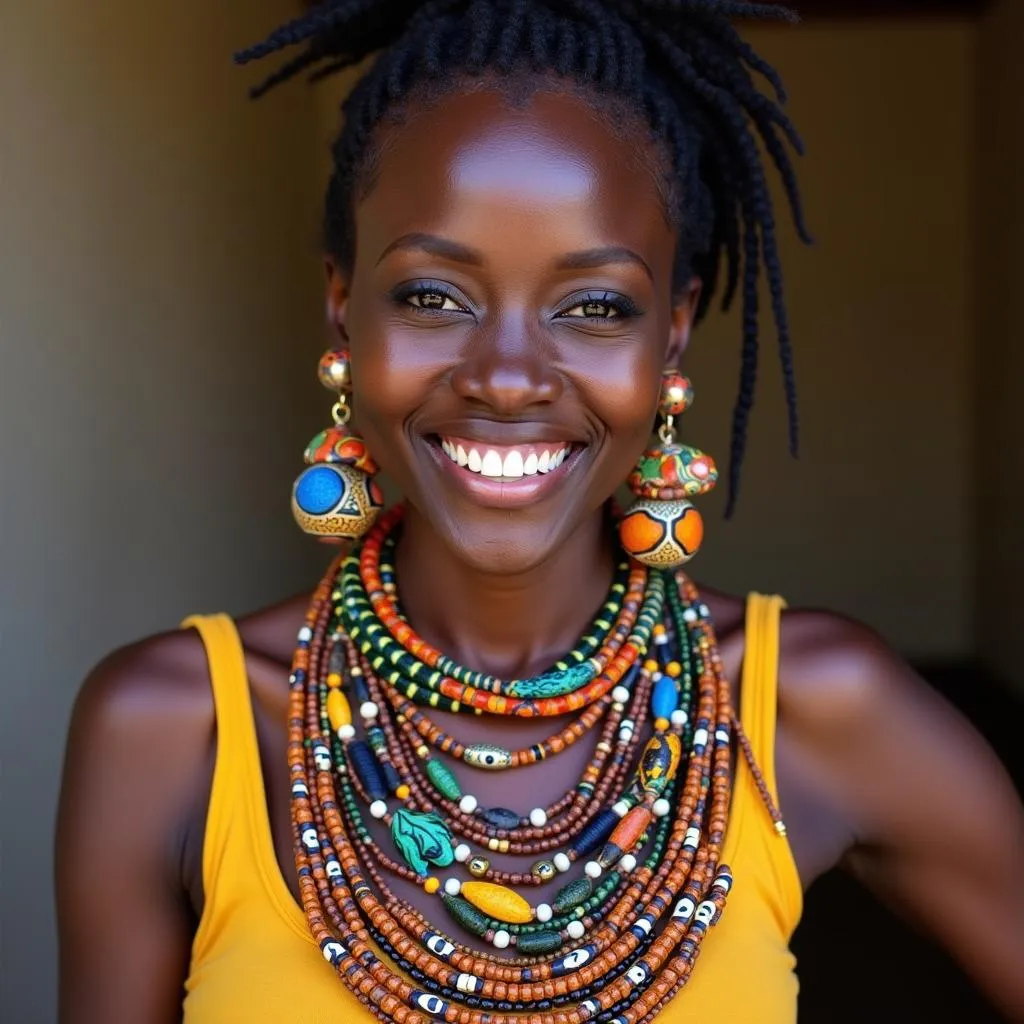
column 871, row 762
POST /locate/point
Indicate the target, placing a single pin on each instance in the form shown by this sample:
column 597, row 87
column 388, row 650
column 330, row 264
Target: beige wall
column 160, row 312
column 159, row 326
column 1001, row 341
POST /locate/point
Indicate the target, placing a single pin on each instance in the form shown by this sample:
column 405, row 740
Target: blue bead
column 665, row 698
column 319, row 489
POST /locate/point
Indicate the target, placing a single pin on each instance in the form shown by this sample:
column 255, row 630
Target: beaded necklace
column 620, row 937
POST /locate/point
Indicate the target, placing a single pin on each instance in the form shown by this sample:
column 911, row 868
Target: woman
column 529, row 207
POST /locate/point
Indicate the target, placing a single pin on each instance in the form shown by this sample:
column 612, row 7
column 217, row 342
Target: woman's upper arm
column 133, row 777
column 939, row 827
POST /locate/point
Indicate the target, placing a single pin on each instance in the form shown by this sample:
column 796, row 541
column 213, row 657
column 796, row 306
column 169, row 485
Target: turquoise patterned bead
column 421, row 839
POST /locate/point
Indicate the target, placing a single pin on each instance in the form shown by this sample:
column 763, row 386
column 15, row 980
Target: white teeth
column 491, row 464
column 513, row 465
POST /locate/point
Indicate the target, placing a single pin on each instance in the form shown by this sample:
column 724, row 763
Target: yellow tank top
column 254, row 960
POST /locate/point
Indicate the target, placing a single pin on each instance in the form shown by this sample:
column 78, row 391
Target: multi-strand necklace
column 637, row 840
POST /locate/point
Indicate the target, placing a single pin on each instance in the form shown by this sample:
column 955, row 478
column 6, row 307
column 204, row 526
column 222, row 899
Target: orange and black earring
column 336, row 498
column 662, row 529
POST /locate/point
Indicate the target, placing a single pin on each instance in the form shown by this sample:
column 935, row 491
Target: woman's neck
column 508, row 626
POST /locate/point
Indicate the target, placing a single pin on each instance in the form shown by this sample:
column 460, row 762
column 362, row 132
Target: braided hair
column 680, row 65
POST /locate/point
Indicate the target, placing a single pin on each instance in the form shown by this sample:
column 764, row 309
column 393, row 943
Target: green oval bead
column 571, row 895
column 536, row 943
column 443, row 779
column 466, row 914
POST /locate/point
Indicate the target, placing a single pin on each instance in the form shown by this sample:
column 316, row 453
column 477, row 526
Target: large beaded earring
column 662, row 529
column 336, row 498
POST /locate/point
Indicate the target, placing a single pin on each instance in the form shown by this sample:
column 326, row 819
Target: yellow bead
column 333, row 680
column 402, row 792
column 650, row 666
column 498, row 902
column 661, row 724
column 674, row 669
column 338, row 710
column 431, row 885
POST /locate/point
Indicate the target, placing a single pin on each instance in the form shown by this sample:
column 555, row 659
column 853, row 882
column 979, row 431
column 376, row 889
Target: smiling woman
column 519, row 768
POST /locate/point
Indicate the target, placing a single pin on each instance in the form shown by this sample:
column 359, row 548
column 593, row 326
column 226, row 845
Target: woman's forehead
column 550, row 161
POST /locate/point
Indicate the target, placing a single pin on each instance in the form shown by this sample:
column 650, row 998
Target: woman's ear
column 337, row 298
column 684, row 309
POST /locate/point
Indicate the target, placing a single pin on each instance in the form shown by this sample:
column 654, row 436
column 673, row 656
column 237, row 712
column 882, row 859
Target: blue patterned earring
column 336, row 498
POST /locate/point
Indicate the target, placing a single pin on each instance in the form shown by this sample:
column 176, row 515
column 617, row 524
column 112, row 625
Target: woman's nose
column 509, row 370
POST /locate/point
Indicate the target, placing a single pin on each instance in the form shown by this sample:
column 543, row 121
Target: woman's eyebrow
column 602, row 257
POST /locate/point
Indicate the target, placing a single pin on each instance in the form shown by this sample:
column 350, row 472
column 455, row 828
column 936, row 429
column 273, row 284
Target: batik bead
column 669, row 471
column 662, row 534
column 676, row 394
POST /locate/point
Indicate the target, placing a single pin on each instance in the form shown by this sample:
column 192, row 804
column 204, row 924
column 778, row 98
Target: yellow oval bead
column 338, row 710
column 403, row 792
column 431, row 885
column 498, row 902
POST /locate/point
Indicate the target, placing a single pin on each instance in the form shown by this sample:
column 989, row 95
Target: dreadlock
column 680, row 65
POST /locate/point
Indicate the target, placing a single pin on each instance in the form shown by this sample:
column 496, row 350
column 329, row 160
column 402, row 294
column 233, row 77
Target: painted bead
column 335, row 370
column 661, row 534
column 497, row 901
column 479, row 866
column 335, row 501
column 339, row 446
column 486, row 755
column 669, row 471
column 676, row 393
column 659, row 762
column 443, row 779
column 367, row 767
column 421, row 839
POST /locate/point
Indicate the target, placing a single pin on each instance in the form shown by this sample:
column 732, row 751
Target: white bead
column 452, row 886
column 627, row 862
column 462, row 853
column 501, row 939
column 538, row 817
column 679, row 718
column 575, row 929
column 368, row 709
column 305, row 634
column 700, row 738
column 378, row 808
column 621, row 808
column 689, row 615
column 468, row 804
column 346, row 732
column 592, row 869
column 562, row 861
column 620, row 695
column 661, row 807
column 544, row 912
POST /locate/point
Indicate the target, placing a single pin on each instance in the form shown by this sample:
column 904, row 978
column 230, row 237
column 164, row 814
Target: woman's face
column 509, row 314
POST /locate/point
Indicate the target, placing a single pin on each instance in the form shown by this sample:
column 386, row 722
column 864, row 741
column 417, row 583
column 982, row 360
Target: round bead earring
column 662, row 529
column 336, row 497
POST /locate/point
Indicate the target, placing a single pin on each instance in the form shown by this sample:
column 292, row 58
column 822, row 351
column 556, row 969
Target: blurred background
column 161, row 318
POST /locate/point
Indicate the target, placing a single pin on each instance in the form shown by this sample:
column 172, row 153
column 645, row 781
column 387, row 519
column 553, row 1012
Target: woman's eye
column 434, row 301
column 601, row 307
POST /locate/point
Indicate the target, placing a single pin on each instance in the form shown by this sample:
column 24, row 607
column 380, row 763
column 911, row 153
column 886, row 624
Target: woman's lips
column 504, row 476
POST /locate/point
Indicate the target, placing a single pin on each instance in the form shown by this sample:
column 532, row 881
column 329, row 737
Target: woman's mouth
column 504, row 475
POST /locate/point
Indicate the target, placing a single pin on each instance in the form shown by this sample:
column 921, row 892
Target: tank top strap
column 238, row 837
column 759, row 684
column 759, row 697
